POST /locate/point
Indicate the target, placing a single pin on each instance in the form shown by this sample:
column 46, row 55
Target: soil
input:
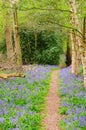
column 52, row 105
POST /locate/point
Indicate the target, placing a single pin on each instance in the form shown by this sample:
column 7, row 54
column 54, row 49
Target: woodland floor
column 22, row 100
column 52, row 105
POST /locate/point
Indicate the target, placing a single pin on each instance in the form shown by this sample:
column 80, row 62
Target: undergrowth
column 73, row 101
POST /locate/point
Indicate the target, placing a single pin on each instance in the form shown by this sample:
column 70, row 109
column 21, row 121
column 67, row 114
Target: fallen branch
column 5, row 76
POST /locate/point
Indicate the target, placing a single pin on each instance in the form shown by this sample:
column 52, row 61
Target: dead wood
column 5, row 76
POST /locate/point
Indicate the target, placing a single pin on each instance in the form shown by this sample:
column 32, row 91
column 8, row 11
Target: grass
column 23, row 99
column 73, row 101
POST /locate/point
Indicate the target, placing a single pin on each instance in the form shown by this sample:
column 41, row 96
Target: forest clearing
column 42, row 65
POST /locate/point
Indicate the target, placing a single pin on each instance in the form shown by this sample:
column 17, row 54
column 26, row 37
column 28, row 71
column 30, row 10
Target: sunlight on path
column 52, row 118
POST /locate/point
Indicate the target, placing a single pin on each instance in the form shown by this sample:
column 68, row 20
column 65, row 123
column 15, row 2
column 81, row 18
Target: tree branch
column 61, row 10
column 67, row 27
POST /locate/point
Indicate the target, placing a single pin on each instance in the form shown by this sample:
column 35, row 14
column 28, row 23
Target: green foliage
column 22, row 102
column 48, row 50
column 73, row 101
column 49, row 47
column 25, row 45
column 39, row 16
column 62, row 60
column 3, row 46
column 81, row 70
column 63, row 110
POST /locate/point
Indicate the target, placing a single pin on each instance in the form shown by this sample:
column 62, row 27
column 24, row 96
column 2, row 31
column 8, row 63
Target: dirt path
column 52, row 118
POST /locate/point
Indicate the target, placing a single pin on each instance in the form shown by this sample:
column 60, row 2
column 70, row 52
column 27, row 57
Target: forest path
column 52, row 105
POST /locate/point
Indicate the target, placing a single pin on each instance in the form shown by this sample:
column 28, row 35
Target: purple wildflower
column 15, row 129
column 20, row 88
column 82, row 120
column 14, row 120
column 1, row 119
column 5, row 111
column 19, row 114
column 1, row 102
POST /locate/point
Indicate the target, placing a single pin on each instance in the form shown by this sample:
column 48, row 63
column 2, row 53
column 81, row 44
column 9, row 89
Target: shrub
column 48, row 50
column 49, row 47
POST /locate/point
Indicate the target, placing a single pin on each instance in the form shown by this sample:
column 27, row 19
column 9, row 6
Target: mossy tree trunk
column 18, row 54
column 9, row 45
column 8, row 35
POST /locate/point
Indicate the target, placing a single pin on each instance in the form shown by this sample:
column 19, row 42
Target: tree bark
column 9, row 46
column 84, row 50
column 17, row 40
column 81, row 44
column 35, row 35
column 5, row 76
column 74, row 53
column 74, row 39
column 8, row 35
column 68, row 52
column 84, row 30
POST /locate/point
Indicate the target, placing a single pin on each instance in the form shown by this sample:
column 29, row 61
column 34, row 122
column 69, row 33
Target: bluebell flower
column 1, row 119
column 5, row 111
column 82, row 120
column 1, row 102
column 13, row 120
column 15, row 129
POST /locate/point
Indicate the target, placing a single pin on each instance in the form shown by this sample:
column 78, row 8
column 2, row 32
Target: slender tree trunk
column 68, row 53
column 84, row 50
column 8, row 34
column 35, row 35
column 81, row 44
column 9, row 46
column 17, row 40
column 84, row 30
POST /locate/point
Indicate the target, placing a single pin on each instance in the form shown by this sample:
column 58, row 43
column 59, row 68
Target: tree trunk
column 84, row 50
column 8, row 35
column 35, row 35
column 5, row 76
column 17, row 40
column 81, row 44
column 84, row 30
column 9, row 46
column 74, row 38
column 68, row 53
column 74, row 53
